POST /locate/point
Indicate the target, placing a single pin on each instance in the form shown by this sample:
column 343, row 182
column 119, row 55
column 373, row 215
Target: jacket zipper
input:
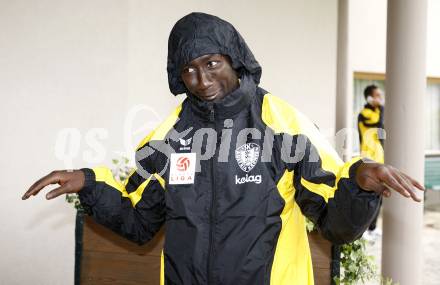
column 212, row 217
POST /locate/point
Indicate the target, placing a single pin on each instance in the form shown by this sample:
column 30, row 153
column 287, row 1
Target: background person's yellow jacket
column 371, row 132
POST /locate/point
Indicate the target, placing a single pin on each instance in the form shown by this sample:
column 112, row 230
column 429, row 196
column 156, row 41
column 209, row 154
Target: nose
column 204, row 79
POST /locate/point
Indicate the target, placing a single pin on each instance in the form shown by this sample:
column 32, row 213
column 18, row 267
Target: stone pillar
column 404, row 144
column 344, row 83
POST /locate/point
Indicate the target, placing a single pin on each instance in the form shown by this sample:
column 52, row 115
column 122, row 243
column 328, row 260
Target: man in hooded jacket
column 231, row 173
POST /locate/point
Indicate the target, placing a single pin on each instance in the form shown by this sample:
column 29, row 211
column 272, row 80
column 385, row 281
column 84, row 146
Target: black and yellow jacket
column 371, row 132
column 237, row 216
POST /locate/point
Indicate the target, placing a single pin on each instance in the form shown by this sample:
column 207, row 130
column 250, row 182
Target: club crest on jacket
column 247, row 156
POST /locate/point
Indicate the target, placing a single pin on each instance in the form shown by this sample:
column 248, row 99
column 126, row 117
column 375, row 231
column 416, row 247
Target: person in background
column 371, row 139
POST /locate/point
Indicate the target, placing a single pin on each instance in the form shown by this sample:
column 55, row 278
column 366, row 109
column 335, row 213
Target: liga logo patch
column 183, row 163
column 182, row 168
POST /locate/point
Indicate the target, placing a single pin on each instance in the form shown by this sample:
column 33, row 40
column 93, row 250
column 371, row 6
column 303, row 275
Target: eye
column 188, row 70
column 212, row 64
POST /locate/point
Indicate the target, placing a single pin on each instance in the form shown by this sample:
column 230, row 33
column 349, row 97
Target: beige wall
column 368, row 36
column 84, row 64
column 433, row 42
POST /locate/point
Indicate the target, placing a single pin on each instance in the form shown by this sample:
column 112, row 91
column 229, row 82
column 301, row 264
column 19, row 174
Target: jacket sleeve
column 326, row 189
column 134, row 208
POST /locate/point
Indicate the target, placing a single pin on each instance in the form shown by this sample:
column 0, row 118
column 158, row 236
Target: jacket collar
column 229, row 106
column 369, row 106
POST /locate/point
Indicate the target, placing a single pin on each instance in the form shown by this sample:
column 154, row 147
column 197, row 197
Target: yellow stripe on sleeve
column 160, row 132
column 103, row 174
column 325, row 191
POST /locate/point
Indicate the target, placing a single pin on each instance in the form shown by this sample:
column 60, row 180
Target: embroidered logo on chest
column 247, row 157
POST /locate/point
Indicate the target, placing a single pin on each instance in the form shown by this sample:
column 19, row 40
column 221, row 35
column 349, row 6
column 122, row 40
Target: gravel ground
column 431, row 248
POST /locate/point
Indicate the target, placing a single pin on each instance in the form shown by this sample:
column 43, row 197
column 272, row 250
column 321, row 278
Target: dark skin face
column 210, row 77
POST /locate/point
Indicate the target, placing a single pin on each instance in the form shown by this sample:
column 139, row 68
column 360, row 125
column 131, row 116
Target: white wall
column 84, row 64
column 368, row 36
column 368, row 21
column 433, row 42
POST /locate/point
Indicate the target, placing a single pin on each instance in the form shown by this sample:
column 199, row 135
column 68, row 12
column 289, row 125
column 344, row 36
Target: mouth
column 209, row 96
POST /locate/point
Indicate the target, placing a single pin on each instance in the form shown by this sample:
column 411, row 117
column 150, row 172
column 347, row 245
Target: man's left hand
column 383, row 179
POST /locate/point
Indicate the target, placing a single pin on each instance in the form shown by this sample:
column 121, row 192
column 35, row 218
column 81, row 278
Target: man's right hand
column 70, row 181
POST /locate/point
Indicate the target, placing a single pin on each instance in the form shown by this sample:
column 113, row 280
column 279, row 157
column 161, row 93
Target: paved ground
column 431, row 248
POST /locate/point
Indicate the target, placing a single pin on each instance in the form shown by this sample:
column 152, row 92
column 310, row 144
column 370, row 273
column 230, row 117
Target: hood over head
column 199, row 34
